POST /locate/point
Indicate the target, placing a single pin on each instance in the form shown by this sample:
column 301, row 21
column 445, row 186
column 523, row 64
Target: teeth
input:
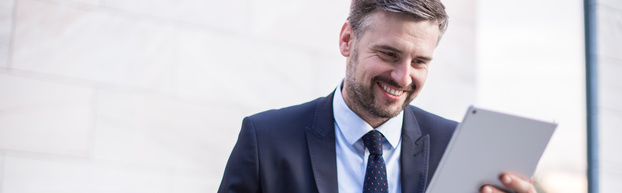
column 392, row 91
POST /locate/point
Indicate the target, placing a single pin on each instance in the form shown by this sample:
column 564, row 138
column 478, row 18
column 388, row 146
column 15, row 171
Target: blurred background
column 148, row 95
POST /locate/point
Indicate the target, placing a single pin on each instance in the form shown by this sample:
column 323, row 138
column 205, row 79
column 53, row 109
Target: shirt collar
column 353, row 127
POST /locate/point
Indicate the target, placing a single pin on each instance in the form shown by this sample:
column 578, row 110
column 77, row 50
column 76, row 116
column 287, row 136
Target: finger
column 517, row 184
column 490, row 189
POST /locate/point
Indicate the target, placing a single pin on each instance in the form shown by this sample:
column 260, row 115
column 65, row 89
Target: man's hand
column 512, row 182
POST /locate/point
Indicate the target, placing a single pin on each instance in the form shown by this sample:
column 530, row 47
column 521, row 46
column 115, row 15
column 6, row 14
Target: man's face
column 387, row 65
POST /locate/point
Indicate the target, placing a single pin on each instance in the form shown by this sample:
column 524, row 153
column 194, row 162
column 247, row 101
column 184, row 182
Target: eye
column 389, row 56
column 419, row 63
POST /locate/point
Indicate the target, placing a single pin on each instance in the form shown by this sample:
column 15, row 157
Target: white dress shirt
column 352, row 154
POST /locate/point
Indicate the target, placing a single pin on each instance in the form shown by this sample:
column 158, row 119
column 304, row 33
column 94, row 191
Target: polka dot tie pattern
column 376, row 172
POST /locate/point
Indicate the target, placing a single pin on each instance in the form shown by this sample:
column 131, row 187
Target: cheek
column 419, row 77
column 374, row 67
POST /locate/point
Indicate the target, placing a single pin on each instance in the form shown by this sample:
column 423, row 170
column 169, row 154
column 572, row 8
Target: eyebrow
column 390, row 48
column 387, row 47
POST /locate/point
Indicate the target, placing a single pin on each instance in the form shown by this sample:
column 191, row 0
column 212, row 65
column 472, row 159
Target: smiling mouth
column 394, row 92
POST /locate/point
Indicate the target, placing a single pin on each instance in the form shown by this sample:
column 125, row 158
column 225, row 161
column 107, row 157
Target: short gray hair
column 424, row 10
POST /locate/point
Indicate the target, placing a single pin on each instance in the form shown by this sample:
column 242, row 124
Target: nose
column 402, row 74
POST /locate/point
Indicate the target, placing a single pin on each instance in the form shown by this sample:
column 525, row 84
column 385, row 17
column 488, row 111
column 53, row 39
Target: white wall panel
column 93, row 45
column 609, row 29
column 45, row 117
column 231, row 16
column 609, row 136
column 149, row 96
column 616, row 4
column 450, row 86
column 43, row 173
column 22, row 173
column 75, row 3
column 159, row 131
column 609, row 84
column 609, row 22
column 1, row 170
column 196, row 181
column 461, row 11
column 253, row 74
column 611, row 178
column 6, row 23
column 313, row 25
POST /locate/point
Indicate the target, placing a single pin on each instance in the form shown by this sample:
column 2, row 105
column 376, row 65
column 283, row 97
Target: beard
column 363, row 97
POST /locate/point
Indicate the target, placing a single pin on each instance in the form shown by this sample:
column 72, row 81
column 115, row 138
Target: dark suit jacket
column 292, row 150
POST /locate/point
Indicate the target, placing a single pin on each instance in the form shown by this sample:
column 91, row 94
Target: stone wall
column 149, row 95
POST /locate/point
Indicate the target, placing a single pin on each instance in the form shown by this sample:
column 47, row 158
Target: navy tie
column 376, row 174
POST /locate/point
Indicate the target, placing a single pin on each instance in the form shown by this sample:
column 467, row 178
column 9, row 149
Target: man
column 364, row 137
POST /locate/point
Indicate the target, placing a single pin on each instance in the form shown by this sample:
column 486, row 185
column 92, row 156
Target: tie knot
column 373, row 142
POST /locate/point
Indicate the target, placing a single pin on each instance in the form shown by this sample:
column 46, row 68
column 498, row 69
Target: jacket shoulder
column 301, row 114
column 433, row 124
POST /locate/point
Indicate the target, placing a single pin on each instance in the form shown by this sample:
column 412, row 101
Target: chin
column 387, row 111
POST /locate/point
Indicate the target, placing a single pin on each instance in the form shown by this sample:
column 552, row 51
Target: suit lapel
column 415, row 154
column 321, row 144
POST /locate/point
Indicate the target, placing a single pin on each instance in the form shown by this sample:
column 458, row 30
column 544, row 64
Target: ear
column 346, row 39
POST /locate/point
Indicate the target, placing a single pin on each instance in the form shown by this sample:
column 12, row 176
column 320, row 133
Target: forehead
column 401, row 30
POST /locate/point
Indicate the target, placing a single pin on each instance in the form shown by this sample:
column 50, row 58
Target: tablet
column 486, row 144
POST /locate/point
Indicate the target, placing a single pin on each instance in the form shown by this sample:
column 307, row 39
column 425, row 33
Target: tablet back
column 486, row 144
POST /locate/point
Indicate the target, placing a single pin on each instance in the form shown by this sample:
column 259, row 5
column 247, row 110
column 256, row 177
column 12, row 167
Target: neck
column 373, row 122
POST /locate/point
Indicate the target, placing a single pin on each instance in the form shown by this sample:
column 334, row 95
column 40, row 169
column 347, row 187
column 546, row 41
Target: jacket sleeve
column 242, row 170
